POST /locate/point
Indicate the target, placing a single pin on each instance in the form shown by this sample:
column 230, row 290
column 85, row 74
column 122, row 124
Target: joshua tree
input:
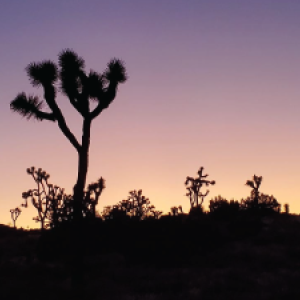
column 255, row 184
column 80, row 88
column 15, row 214
column 194, row 186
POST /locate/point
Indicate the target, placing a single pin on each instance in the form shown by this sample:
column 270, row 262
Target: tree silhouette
column 255, row 184
column 259, row 200
column 15, row 213
column 80, row 88
column 265, row 203
column 52, row 203
column 194, row 186
column 137, row 206
column 175, row 211
column 91, row 197
column 48, row 199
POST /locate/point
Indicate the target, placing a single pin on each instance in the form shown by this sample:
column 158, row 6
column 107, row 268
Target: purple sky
column 212, row 83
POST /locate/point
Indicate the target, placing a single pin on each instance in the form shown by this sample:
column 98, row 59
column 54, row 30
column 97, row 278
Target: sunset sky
column 212, row 83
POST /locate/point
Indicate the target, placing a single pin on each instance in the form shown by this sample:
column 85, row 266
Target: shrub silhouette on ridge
column 221, row 207
column 257, row 200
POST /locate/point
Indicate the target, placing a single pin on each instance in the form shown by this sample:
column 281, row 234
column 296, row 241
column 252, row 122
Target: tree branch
column 49, row 96
column 30, row 107
column 108, row 96
column 66, row 131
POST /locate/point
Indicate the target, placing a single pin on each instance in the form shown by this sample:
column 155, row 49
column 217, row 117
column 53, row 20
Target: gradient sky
column 212, row 83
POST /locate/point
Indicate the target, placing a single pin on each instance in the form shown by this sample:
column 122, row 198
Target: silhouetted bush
column 196, row 211
column 257, row 201
column 176, row 211
column 136, row 206
column 53, row 205
column 264, row 204
column 222, row 208
column 115, row 212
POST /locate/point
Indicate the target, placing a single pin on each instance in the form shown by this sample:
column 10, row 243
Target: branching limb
column 30, row 107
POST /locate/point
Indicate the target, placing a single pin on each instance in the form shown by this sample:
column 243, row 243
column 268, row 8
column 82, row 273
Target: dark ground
column 165, row 259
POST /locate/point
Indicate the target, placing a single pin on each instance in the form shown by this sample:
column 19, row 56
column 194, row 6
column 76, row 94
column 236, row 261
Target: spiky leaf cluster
column 42, row 74
column 80, row 87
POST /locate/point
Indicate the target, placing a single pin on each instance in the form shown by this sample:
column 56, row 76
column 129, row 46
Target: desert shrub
column 222, row 208
column 136, row 206
column 196, row 212
column 266, row 204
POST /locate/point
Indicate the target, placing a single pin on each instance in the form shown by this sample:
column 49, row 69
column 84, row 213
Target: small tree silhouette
column 46, row 198
column 194, row 186
column 15, row 213
column 91, row 197
column 255, row 184
column 265, row 203
column 137, row 206
column 53, row 205
column 259, row 200
column 286, row 208
column 176, row 211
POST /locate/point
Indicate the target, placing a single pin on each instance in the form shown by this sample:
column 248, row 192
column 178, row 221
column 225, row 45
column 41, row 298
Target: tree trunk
column 77, row 228
column 82, row 169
